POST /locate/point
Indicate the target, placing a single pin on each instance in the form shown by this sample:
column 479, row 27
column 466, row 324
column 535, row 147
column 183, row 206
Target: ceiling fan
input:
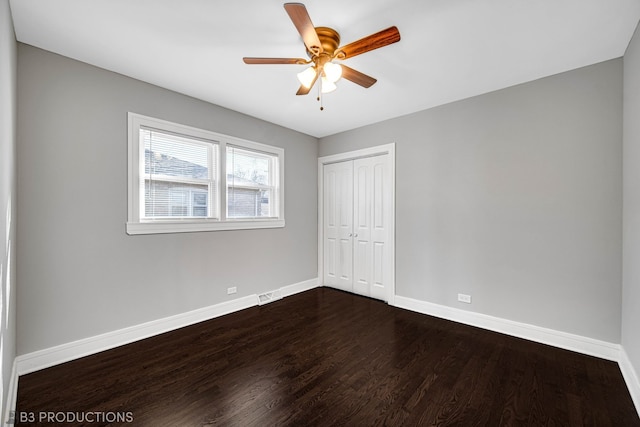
column 322, row 48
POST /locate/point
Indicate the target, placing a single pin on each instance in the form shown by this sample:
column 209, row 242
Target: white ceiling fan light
column 327, row 85
column 332, row 71
column 307, row 77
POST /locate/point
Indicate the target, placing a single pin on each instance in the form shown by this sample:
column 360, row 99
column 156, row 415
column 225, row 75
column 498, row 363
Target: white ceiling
column 450, row 49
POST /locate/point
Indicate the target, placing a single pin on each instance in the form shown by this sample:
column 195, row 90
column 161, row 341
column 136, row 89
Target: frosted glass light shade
column 307, row 77
column 332, row 72
column 328, row 86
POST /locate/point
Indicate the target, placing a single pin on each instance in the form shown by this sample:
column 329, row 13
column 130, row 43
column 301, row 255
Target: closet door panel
column 362, row 261
column 381, row 219
column 338, row 223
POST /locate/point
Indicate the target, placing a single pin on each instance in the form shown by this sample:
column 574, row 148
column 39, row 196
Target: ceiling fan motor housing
column 329, row 39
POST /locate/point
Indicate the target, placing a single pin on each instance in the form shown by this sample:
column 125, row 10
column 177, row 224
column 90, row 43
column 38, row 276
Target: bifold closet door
column 356, row 226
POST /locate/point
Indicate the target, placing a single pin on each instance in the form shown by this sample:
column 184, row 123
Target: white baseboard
column 42, row 359
column 577, row 343
column 631, row 378
column 298, row 287
column 12, row 395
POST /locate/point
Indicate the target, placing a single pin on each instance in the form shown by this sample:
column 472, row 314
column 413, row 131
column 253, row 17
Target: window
column 251, row 183
column 178, row 181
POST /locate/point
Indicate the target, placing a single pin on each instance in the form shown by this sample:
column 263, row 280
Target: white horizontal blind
column 178, row 176
column 252, row 183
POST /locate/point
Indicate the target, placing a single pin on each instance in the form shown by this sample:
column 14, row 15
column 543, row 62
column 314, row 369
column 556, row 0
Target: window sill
column 163, row 227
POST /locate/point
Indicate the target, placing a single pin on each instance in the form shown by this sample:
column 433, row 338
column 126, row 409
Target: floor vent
column 268, row 297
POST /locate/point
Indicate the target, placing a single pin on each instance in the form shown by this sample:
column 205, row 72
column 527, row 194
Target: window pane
column 250, row 184
column 168, row 199
column 177, row 178
column 172, row 155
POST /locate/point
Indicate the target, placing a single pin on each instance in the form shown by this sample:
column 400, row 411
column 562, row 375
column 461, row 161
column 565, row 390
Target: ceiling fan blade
column 357, row 77
column 249, row 60
column 374, row 41
column 303, row 90
column 300, row 17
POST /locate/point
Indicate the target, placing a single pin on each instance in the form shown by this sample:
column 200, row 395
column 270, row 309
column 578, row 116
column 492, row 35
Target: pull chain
column 319, row 98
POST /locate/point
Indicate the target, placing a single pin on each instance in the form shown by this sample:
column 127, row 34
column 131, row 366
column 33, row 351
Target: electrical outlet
column 232, row 290
column 464, row 298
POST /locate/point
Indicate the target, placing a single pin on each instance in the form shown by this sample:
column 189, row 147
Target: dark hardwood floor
column 326, row 357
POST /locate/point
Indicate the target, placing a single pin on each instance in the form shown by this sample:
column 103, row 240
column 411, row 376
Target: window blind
column 179, row 175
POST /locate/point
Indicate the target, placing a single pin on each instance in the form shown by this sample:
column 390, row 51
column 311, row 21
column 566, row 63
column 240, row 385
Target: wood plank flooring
column 329, row 358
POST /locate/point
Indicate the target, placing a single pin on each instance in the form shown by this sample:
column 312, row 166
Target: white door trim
column 389, row 149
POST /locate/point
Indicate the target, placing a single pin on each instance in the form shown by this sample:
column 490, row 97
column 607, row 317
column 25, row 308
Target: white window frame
column 137, row 225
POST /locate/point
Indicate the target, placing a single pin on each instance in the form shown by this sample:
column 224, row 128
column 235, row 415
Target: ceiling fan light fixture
column 327, row 85
column 307, row 77
column 323, row 46
column 332, row 71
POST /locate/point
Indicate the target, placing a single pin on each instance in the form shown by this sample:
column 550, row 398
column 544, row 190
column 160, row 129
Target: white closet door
column 338, row 225
column 371, row 222
column 356, row 231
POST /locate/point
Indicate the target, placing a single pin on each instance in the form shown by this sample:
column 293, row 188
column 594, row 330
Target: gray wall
column 631, row 248
column 8, row 64
column 513, row 197
column 80, row 273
